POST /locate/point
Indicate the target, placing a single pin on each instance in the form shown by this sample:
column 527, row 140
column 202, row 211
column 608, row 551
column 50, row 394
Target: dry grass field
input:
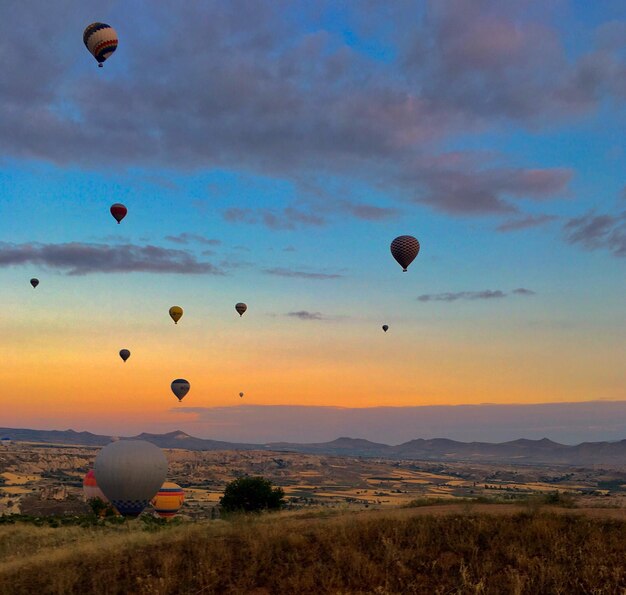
column 442, row 549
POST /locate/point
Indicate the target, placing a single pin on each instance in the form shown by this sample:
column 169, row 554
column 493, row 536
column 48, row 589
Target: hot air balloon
column 90, row 487
column 124, row 354
column 118, row 211
column 176, row 313
column 404, row 249
column 101, row 41
column 168, row 500
column 241, row 394
column 34, row 282
column 130, row 473
column 180, row 387
column 385, row 327
column 241, row 308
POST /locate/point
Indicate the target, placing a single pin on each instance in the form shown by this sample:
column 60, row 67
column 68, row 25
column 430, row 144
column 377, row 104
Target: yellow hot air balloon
column 176, row 312
column 168, row 500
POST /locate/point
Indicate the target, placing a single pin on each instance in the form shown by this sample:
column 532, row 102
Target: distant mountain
column 542, row 451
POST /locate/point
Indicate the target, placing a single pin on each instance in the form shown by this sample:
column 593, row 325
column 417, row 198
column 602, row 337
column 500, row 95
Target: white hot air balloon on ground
column 130, row 473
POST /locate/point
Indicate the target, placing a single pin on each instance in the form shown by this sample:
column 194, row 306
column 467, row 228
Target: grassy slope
column 404, row 551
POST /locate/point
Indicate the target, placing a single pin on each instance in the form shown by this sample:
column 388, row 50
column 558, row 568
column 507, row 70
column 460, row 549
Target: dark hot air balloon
column 404, row 249
column 241, row 308
column 101, row 41
column 385, row 327
column 118, row 211
column 34, row 282
column 124, row 354
column 241, row 394
column 176, row 313
column 180, row 387
column 130, row 473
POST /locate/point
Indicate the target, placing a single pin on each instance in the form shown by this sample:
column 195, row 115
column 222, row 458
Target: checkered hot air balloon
column 404, row 249
column 101, row 41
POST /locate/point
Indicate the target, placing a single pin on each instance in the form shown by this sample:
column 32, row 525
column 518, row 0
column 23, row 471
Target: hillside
column 482, row 549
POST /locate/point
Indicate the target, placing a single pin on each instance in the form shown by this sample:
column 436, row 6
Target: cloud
column 287, row 218
column 288, row 100
column 306, row 315
column 282, row 272
column 525, row 222
column 486, row 294
column 77, row 258
column 595, row 232
column 369, row 212
column 490, row 60
column 187, row 238
column 461, row 189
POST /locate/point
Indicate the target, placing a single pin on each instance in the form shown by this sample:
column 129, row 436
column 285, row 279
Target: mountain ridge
column 521, row 450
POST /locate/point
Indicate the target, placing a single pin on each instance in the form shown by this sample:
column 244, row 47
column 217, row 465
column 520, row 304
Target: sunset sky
column 268, row 152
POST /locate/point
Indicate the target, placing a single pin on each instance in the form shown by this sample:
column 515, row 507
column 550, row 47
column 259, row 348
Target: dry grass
column 404, row 551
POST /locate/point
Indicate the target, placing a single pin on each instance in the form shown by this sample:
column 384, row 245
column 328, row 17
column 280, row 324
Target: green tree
column 252, row 494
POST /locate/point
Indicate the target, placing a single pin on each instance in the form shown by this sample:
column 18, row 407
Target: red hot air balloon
column 404, row 249
column 118, row 211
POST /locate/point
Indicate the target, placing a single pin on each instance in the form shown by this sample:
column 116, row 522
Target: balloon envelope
column 180, row 387
column 168, row 500
column 118, row 211
column 130, row 473
column 124, row 354
column 101, row 41
column 404, row 249
column 385, row 327
column 241, row 394
column 34, row 282
column 241, row 308
column 176, row 313
column 90, row 487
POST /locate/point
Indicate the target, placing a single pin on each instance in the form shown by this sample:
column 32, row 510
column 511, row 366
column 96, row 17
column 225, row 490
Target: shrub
column 252, row 494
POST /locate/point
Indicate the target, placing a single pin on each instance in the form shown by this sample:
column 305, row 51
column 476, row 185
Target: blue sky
column 269, row 152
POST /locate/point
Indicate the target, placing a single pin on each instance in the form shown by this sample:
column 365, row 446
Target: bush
column 252, row 494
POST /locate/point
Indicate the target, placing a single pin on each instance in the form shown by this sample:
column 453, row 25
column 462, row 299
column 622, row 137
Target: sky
column 268, row 153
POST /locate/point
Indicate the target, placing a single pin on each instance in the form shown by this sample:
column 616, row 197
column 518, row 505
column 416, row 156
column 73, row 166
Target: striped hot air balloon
column 101, row 41
column 168, row 500
column 90, row 487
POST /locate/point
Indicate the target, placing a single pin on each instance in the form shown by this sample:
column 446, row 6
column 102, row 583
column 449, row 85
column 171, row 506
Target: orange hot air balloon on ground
column 168, row 500
column 90, row 487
